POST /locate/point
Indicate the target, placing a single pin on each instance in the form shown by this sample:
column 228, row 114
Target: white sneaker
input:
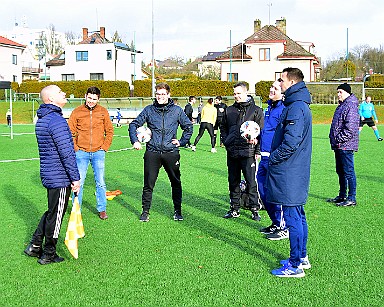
column 213, row 150
column 193, row 148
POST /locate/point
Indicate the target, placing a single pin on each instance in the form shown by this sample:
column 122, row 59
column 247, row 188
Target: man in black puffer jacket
column 163, row 117
column 241, row 154
column 58, row 172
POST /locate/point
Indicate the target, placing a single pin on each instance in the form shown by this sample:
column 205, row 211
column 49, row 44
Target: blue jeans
column 96, row 159
column 345, row 169
column 298, row 233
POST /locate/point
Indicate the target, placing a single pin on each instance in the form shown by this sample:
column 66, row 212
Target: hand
column 176, row 142
column 376, row 121
column 75, row 185
column 137, row 145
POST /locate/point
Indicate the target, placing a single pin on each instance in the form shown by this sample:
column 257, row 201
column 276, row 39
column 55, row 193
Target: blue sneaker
column 288, row 271
column 304, row 263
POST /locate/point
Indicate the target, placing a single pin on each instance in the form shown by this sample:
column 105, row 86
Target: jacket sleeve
column 349, row 126
column 136, row 123
column 259, row 118
column 293, row 134
column 73, row 127
column 61, row 136
column 187, row 127
column 223, row 126
column 108, row 131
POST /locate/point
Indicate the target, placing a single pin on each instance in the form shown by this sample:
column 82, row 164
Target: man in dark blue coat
column 163, row 117
column 58, row 172
column 289, row 169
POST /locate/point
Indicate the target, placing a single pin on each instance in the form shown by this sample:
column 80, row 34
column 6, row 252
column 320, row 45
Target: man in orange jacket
column 92, row 133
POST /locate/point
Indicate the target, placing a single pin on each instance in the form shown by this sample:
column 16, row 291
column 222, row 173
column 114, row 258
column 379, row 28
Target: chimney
column 281, row 24
column 85, row 33
column 256, row 25
column 102, row 32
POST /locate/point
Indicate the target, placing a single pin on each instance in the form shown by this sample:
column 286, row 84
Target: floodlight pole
column 347, row 54
column 10, row 106
column 153, row 54
column 230, row 55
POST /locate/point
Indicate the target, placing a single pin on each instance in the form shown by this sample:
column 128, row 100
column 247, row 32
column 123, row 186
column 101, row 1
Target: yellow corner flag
column 75, row 229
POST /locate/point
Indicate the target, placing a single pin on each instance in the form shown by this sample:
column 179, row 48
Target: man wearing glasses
column 163, row 117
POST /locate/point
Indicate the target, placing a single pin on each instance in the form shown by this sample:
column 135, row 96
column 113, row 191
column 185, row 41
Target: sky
column 192, row 28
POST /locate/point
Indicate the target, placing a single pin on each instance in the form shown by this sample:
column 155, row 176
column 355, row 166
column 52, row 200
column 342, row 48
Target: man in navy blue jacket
column 163, row 117
column 58, row 172
column 289, row 169
column 277, row 230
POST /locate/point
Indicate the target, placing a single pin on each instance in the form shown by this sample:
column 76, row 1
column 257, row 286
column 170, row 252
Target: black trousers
column 209, row 128
column 247, row 166
column 50, row 222
column 152, row 164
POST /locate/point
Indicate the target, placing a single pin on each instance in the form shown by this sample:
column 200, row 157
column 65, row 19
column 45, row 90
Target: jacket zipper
column 90, row 140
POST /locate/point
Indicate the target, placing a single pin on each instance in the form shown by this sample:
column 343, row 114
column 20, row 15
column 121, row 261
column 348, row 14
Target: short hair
column 219, row 97
column 242, row 84
column 294, row 74
column 210, row 100
column 163, row 85
column 93, row 90
column 191, row 97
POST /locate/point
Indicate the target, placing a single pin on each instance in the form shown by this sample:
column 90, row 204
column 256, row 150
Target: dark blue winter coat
column 163, row 120
column 344, row 133
column 290, row 159
column 271, row 120
column 58, row 168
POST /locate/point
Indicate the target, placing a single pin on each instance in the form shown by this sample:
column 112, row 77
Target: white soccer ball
column 144, row 134
column 249, row 130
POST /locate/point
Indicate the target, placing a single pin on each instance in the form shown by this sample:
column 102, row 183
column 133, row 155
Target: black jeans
column 247, row 166
column 202, row 128
column 50, row 222
column 152, row 164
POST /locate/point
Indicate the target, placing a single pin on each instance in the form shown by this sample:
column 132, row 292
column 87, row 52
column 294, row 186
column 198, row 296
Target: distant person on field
column 241, row 153
column 118, row 117
column 344, row 139
column 367, row 113
column 8, row 116
column 220, row 106
column 188, row 110
column 58, row 172
column 92, row 132
column 199, row 109
column 163, row 118
column 277, row 230
column 208, row 119
column 289, row 169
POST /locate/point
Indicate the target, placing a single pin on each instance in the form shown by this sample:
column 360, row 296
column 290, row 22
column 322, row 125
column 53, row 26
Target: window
column 68, row 77
column 96, row 76
column 109, row 54
column 81, row 56
column 264, row 54
column 277, row 75
column 14, row 59
column 14, row 78
column 133, row 58
column 235, row 77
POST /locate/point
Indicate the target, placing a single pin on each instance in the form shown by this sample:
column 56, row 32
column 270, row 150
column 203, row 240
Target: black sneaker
column 380, row 139
column 278, row 234
column 33, row 250
column 144, row 217
column 48, row 259
column 346, row 203
column 267, row 230
column 255, row 215
column 177, row 216
column 336, row 200
column 232, row 214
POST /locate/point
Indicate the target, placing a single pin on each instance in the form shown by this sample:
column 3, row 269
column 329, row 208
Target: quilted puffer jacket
column 58, row 166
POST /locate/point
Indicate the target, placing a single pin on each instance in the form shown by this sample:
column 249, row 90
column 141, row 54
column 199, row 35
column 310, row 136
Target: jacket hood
column 45, row 109
column 297, row 92
column 246, row 103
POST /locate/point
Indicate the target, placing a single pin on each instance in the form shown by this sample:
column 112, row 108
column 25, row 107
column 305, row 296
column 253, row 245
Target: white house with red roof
column 96, row 58
column 264, row 54
column 10, row 60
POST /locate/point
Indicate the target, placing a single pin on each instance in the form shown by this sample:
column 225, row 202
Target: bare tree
column 72, row 38
column 116, row 38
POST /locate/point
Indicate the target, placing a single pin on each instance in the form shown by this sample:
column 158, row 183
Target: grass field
column 204, row 260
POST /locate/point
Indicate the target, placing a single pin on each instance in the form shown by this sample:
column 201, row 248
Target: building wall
column 7, row 69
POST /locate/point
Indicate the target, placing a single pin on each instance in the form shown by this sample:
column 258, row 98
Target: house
column 208, row 65
column 10, row 64
column 96, row 58
column 264, row 54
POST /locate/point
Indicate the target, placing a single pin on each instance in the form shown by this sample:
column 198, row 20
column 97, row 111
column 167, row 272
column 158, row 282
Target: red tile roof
column 95, row 38
column 6, row 41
